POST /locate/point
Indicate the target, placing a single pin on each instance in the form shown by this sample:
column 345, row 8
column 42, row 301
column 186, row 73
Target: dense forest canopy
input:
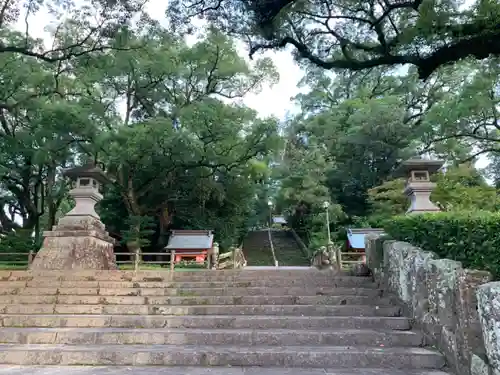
column 166, row 119
column 358, row 34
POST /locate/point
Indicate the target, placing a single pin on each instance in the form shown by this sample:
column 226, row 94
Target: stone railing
column 300, row 243
column 458, row 309
column 233, row 259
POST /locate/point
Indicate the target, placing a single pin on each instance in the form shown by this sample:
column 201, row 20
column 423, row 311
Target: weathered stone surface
column 466, row 304
column 200, row 321
column 95, row 370
column 283, row 319
column 72, row 251
column 138, row 309
column 489, row 314
column 438, row 293
column 191, row 300
column 177, row 355
column 478, row 366
column 374, row 245
column 79, row 240
column 217, row 336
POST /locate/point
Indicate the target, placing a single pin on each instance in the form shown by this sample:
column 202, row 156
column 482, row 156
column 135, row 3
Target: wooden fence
column 232, row 259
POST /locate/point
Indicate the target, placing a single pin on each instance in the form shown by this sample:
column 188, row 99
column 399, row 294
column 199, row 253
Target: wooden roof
column 190, row 239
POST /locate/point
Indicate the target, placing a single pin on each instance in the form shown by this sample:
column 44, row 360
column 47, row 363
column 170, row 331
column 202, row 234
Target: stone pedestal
column 79, row 240
column 419, row 194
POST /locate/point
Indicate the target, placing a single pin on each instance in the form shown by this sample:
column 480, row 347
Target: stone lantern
column 419, row 186
column 79, row 240
column 86, row 182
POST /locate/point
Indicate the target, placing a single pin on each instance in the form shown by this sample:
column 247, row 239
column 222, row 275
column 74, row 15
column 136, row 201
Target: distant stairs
column 257, row 249
column 287, row 250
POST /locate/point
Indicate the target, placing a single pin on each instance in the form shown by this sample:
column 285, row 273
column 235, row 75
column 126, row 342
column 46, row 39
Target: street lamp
column 270, row 204
column 326, row 205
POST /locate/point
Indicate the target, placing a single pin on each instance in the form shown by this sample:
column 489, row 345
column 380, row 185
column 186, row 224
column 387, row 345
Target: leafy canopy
column 357, row 34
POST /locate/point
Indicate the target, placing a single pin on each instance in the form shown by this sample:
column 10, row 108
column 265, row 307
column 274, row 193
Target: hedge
column 470, row 238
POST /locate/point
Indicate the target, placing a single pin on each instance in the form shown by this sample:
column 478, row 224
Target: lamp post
column 326, row 205
column 270, row 205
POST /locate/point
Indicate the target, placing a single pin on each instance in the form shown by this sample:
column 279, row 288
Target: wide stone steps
column 306, row 274
column 293, row 318
column 342, row 282
column 297, row 310
column 173, row 370
column 146, row 290
column 179, row 336
column 197, row 300
column 201, row 355
column 200, row 321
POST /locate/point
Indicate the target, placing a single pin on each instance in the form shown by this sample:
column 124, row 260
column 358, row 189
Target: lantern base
column 76, row 243
column 74, row 250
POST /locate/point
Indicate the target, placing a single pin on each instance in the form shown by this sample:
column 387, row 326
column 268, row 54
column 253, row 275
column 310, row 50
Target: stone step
column 257, row 283
column 198, row 355
column 253, row 291
column 293, row 310
column 173, row 370
column 201, row 276
column 200, row 321
column 181, row 336
column 191, row 300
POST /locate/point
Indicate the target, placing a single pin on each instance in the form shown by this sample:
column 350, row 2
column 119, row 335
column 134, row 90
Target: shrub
column 20, row 242
column 470, row 238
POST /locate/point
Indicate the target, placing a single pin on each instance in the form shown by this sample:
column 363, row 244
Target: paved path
column 67, row 370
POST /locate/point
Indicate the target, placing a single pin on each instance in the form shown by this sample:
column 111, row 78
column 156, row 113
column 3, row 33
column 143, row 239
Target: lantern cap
column 418, row 164
column 90, row 170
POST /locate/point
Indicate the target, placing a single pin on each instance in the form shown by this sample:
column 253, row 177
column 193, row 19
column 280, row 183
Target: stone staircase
column 287, row 249
column 257, row 248
column 266, row 318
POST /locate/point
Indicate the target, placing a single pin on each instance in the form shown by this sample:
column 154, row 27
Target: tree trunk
column 133, row 209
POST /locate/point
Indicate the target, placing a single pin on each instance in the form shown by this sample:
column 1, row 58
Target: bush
column 470, row 238
column 20, row 242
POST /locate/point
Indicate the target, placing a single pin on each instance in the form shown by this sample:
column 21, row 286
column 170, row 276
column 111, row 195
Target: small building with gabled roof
column 279, row 220
column 190, row 244
column 356, row 237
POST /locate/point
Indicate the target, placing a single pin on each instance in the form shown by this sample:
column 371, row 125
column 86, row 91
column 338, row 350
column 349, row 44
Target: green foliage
column 354, row 34
column 461, row 188
column 21, row 242
column 161, row 116
column 190, row 264
column 388, row 199
column 471, row 238
column 140, row 230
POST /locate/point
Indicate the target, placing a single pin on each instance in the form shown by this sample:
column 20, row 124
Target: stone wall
column 442, row 298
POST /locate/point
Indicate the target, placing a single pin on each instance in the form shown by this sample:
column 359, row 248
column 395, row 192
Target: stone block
column 488, row 296
column 466, row 306
column 69, row 252
column 439, row 294
column 478, row 366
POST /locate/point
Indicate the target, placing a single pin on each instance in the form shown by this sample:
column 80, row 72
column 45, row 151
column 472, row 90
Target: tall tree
column 75, row 29
column 357, row 34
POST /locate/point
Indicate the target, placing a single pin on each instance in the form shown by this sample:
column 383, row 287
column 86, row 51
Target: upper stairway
column 257, row 249
column 266, row 318
column 287, row 250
